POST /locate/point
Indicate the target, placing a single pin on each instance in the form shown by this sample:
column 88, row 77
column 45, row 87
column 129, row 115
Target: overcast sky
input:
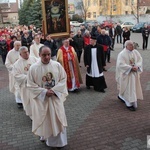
column 6, row 1
column 12, row 0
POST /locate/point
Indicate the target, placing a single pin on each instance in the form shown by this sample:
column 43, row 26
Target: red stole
column 67, row 68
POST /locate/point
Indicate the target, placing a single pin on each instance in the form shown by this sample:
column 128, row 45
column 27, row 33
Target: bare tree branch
column 83, row 6
column 135, row 10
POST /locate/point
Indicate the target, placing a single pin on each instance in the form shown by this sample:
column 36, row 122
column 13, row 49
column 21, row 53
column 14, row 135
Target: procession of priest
column 42, row 72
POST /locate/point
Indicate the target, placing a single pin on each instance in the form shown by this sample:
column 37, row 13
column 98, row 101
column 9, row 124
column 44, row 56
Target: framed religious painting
column 55, row 17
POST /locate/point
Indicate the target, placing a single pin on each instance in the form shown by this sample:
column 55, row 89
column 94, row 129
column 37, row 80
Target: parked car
column 139, row 26
column 107, row 24
column 75, row 23
column 129, row 25
column 88, row 23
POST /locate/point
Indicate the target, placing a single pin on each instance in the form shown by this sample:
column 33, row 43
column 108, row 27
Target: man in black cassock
column 94, row 62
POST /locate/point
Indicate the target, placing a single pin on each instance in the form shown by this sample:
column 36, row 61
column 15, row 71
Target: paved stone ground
column 96, row 121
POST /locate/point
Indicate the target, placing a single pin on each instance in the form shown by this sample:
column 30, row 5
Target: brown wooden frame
column 55, row 18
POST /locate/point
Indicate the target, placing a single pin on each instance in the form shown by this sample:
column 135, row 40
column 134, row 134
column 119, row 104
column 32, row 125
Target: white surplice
column 94, row 65
column 128, row 81
column 34, row 49
column 11, row 58
column 20, row 70
column 48, row 115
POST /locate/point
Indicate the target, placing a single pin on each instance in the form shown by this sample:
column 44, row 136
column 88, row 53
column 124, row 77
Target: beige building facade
column 96, row 8
column 12, row 18
column 9, row 13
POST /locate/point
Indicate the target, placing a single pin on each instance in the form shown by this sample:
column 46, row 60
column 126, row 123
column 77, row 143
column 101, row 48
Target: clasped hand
column 50, row 93
column 134, row 68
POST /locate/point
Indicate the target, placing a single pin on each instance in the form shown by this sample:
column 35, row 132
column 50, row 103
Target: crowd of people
column 41, row 73
column 78, row 39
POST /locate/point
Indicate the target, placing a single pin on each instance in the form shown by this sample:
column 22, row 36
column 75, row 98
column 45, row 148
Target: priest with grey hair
column 20, row 70
column 129, row 66
column 12, row 57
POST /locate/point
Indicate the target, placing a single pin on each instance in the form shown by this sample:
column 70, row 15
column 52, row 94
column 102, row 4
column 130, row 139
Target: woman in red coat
column 86, row 38
column 8, row 40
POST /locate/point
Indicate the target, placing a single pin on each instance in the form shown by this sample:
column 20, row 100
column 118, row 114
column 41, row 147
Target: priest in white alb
column 46, row 81
column 128, row 70
column 20, row 70
column 12, row 57
column 34, row 48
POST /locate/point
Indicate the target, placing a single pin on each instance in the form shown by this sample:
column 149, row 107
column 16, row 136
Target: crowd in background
column 58, row 70
column 41, row 85
column 79, row 38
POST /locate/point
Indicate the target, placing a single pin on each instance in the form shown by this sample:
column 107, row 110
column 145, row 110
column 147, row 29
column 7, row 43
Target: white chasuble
column 34, row 49
column 48, row 115
column 11, row 58
column 20, row 70
column 128, row 81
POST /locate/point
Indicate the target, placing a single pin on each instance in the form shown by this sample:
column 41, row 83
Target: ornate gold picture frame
column 55, row 17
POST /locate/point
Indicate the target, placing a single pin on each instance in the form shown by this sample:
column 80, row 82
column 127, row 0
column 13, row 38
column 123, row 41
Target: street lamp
column 138, row 1
column 111, row 9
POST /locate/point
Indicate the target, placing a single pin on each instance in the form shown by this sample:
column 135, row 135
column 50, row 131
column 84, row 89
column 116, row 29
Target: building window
column 100, row 2
column 94, row 2
column 89, row 15
column 126, row 2
column 94, row 14
column 126, row 12
column 89, row 2
column 114, row 7
column 132, row 2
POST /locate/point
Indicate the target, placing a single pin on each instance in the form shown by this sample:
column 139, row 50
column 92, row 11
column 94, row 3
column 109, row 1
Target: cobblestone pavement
column 96, row 121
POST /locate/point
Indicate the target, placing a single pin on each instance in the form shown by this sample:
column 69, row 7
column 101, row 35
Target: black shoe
column 53, row 148
column 76, row 90
column 61, row 148
column 109, row 62
column 104, row 69
column 88, row 87
column 121, row 99
column 20, row 105
column 42, row 140
column 131, row 108
column 103, row 91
